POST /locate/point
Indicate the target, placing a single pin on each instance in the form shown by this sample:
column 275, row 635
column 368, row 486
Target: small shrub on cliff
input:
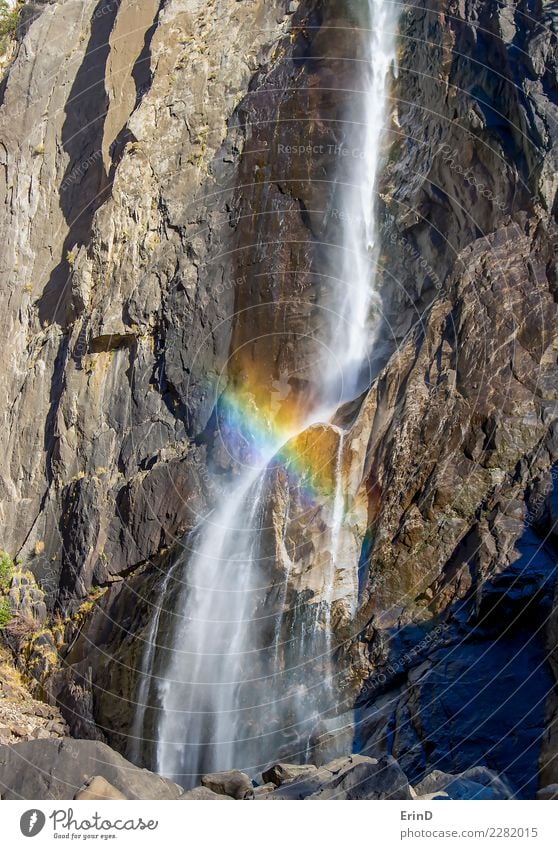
column 7, row 569
column 9, row 19
column 5, row 612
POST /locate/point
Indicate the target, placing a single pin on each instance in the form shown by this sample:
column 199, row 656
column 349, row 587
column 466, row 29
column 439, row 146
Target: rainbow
column 258, row 431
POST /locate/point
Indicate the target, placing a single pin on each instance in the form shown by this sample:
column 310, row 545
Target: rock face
column 21, row 716
column 146, row 232
column 117, row 311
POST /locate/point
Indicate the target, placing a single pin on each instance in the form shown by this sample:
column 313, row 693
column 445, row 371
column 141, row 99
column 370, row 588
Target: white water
column 135, row 740
column 225, row 677
column 231, row 692
column 211, row 639
column 359, row 298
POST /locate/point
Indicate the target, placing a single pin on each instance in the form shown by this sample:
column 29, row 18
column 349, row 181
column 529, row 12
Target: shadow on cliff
column 85, row 185
column 475, row 690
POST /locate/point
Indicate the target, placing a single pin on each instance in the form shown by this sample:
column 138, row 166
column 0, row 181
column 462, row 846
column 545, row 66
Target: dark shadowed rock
column 302, row 788
column 368, row 780
column 475, row 783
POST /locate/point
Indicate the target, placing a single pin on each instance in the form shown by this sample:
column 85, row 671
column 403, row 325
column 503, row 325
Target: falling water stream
column 359, row 296
column 230, row 689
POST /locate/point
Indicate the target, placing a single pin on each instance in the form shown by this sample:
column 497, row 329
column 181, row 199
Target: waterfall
column 240, row 679
column 211, row 639
column 358, row 301
column 135, row 740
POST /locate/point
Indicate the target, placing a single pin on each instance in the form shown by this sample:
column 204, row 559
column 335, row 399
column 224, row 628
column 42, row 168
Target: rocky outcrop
column 21, row 716
column 88, row 771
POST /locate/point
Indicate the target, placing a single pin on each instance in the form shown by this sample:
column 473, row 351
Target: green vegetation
column 9, row 19
column 7, row 569
column 5, row 612
column 71, row 257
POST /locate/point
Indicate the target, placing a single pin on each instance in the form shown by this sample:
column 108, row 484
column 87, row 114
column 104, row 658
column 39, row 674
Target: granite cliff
column 168, row 183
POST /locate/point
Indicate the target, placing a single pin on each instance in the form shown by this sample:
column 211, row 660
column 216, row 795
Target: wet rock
column 106, row 278
column 230, row 783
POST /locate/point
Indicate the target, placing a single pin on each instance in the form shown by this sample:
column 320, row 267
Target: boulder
column 230, row 783
column 352, row 777
column 98, row 788
column 264, row 789
column 367, row 779
column 344, row 763
column 548, row 792
column 57, row 769
column 302, row 788
column 475, row 783
column 280, row 773
column 204, row 794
